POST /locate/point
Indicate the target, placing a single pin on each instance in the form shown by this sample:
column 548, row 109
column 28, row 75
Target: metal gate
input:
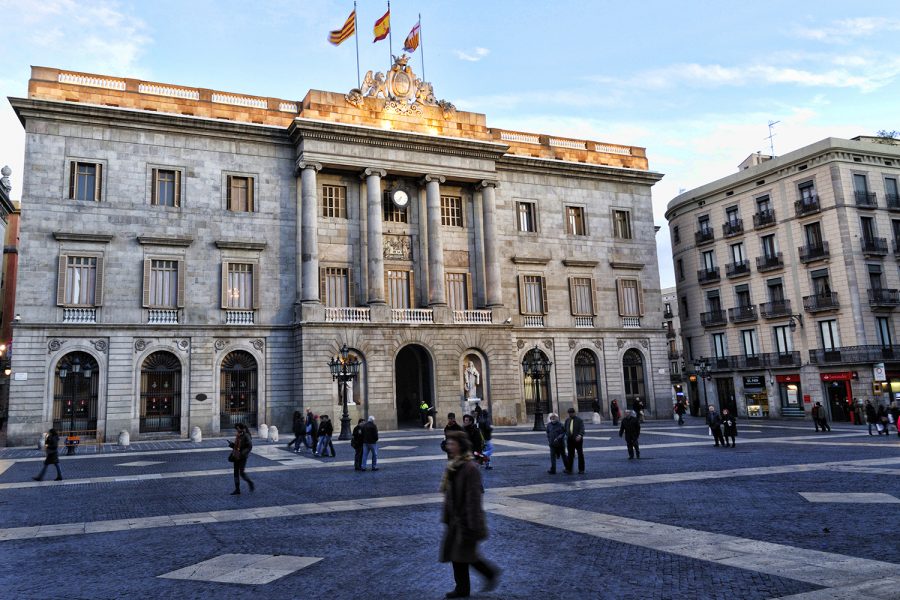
column 161, row 393
column 238, row 390
column 75, row 391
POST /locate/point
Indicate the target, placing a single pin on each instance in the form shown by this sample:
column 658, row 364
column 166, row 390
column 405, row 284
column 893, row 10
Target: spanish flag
column 412, row 40
column 382, row 27
column 338, row 36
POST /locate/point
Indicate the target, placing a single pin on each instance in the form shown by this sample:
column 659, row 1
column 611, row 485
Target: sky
column 696, row 83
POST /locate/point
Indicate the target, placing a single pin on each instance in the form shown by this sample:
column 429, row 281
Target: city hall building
column 190, row 257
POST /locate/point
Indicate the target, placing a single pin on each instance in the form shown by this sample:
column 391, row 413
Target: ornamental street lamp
column 792, row 323
column 536, row 366
column 344, row 368
column 701, row 366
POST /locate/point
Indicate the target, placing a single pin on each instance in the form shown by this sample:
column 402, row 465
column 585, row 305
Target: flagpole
column 422, row 47
column 356, row 37
column 390, row 36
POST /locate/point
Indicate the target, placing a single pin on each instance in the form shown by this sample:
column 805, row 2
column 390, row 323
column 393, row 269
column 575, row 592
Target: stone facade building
column 674, row 349
column 194, row 258
column 788, row 280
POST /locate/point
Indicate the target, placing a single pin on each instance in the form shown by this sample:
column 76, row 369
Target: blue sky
column 694, row 82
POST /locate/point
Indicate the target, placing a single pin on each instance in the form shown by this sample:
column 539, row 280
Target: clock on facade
column 400, row 199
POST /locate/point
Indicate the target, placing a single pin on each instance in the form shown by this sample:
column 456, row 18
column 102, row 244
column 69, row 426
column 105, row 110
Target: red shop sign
column 787, row 378
column 839, row 376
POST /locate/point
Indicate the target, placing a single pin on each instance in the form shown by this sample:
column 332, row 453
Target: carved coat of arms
column 403, row 92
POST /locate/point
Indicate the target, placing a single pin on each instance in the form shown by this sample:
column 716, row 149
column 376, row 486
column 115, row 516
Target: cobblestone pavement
column 687, row 520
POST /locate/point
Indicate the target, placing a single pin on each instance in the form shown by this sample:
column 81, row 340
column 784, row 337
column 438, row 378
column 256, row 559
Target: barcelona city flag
column 382, row 27
column 338, row 36
column 412, row 40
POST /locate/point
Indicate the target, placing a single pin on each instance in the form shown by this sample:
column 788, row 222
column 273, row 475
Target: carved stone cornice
column 369, row 171
column 433, row 178
column 531, row 260
column 240, row 245
column 76, row 236
column 165, row 240
column 573, row 262
column 631, row 266
column 529, row 164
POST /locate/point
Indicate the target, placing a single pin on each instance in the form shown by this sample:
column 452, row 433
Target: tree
column 888, row 137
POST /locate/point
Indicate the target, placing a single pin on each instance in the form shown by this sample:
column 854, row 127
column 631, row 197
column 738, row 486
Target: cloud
column 474, row 56
column 844, row 30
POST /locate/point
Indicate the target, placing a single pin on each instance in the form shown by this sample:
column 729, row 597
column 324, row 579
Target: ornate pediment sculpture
column 403, row 92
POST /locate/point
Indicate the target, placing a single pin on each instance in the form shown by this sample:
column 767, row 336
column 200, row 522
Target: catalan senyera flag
column 338, row 36
column 412, row 40
column 382, row 27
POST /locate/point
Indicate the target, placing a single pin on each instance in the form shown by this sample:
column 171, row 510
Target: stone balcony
column 763, row 219
column 865, row 199
column 775, row 309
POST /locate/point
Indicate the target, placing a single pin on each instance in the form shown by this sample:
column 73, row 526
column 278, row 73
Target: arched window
column 542, row 387
column 75, row 391
column 633, row 371
column 587, row 384
column 238, row 390
column 161, row 393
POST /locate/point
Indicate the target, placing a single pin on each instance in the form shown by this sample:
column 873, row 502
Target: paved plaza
column 788, row 513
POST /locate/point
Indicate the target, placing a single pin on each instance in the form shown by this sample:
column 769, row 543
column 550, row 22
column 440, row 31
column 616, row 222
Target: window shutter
column 322, row 287
column 228, row 192
column 179, row 301
column 620, row 293
column 177, row 189
column 148, row 271
column 250, row 183
column 412, row 291
column 224, row 284
column 98, row 188
column 351, row 288
column 154, row 186
column 522, row 304
column 61, row 280
column 256, row 274
column 640, row 295
column 573, row 308
column 73, row 167
column 387, row 288
column 544, row 294
column 98, row 283
column 469, row 303
column 593, row 298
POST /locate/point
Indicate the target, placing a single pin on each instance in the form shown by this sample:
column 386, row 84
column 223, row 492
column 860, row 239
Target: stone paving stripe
column 247, row 569
column 881, row 589
column 380, row 448
column 851, row 498
column 141, row 463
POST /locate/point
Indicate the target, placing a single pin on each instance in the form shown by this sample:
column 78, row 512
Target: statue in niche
column 471, row 380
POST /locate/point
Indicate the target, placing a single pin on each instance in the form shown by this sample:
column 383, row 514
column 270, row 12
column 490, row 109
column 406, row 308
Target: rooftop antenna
column 771, row 137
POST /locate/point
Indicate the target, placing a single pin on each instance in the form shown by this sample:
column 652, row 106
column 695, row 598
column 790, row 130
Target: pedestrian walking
column 714, row 420
column 310, row 422
column 822, row 417
column 486, row 426
column 883, row 420
column 314, row 432
column 370, row 444
column 476, row 442
column 240, row 451
column 729, row 427
column 680, row 410
column 464, row 517
column 427, row 415
column 326, row 430
column 574, row 441
column 298, row 427
column 556, row 439
column 871, row 417
column 631, row 429
column 451, row 425
column 51, row 448
column 356, row 442
column 895, row 413
column 614, row 411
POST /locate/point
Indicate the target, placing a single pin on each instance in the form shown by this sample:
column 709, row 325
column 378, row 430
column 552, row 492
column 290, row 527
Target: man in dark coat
column 298, row 426
column 464, row 516
column 871, row 417
column 240, row 451
column 614, row 411
column 714, row 420
column 680, row 410
column 356, row 442
column 823, row 418
column 631, row 429
column 370, row 444
column 574, row 441
column 556, row 439
column 451, row 425
column 638, row 406
column 729, row 426
column 51, row 447
column 476, row 442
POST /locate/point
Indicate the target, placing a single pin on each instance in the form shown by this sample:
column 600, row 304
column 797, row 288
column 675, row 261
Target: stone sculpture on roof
column 402, row 91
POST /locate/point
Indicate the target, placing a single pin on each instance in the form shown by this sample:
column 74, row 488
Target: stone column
column 309, row 235
column 493, row 290
column 436, row 294
column 374, row 234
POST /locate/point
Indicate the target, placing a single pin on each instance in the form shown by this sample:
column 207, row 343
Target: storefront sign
column 878, row 372
column 839, row 376
column 787, row 378
column 876, row 387
column 807, row 399
column 754, row 381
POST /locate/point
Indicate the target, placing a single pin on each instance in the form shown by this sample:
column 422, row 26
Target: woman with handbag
column 51, row 447
column 240, row 451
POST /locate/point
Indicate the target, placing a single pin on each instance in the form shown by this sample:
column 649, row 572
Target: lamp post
column 536, row 366
column 344, row 368
column 701, row 366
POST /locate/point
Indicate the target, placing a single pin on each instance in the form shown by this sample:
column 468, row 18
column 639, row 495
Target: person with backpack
column 356, row 442
column 240, row 451
column 556, row 439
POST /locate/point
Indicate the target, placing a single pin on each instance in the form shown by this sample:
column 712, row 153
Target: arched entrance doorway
column 75, row 391
column 161, row 393
column 238, row 390
column 542, row 386
column 587, row 384
column 413, row 383
column 633, row 371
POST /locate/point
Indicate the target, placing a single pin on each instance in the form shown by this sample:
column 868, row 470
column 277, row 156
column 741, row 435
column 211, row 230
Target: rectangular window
column 813, row 234
column 458, row 290
column 742, row 295
column 860, row 184
column 166, row 188
column 831, row 339
column 690, row 348
column 890, row 187
column 85, row 181
column 451, row 211
column 784, row 343
column 807, row 191
column 720, row 346
column 392, row 212
column 769, row 249
column 820, row 282
column 676, row 235
column 335, row 283
column 737, row 253
column 895, row 229
column 622, row 224
column 749, row 342
column 709, row 260
column 334, row 201
column 526, row 217
column 679, row 265
column 776, row 290
column 162, row 287
column 685, row 312
column 876, row 280
column 400, row 294
column 883, row 326
column 703, row 223
column 581, row 293
column 240, row 193
column 732, row 215
column 667, row 307
column 575, row 220
column 631, row 301
column 713, row 301
column 239, row 289
column 763, row 204
column 867, row 226
column 80, row 277
column 532, row 295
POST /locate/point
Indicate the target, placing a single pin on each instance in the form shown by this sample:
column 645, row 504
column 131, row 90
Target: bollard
column 263, row 432
column 596, row 419
column 124, row 439
column 196, row 435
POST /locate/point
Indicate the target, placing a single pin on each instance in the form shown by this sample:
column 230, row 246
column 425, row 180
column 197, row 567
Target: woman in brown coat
column 464, row 517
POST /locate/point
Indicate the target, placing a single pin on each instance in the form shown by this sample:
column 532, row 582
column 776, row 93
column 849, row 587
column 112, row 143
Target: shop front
column 790, row 395
column 892, row 389
column 839, row 393
column 756, row 397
